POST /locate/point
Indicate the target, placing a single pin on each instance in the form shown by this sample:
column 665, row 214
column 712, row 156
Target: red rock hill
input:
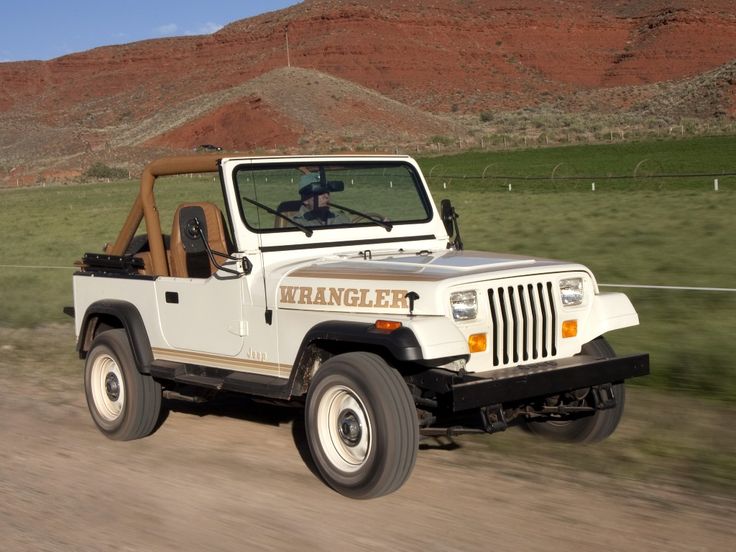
column 375, row 73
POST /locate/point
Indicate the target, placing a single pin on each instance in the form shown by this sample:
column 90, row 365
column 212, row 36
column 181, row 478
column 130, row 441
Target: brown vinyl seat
column 145, row 257
column 188, row 256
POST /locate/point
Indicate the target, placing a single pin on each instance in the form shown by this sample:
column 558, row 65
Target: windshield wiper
column 387, row 225
column 301, row 227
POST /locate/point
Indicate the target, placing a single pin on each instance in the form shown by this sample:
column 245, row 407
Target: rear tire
column 589, row 429
column 124, row 403
column 362, row 425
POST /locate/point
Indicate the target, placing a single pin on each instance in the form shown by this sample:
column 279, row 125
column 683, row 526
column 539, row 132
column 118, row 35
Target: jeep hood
column 379, row 283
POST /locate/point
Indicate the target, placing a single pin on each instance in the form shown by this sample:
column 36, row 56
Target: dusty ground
column 228, row 477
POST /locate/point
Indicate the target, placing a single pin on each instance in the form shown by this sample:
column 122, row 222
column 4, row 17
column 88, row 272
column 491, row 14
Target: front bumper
column 522, row 383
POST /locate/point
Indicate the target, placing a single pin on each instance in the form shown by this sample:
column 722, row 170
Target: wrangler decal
column 347, row 297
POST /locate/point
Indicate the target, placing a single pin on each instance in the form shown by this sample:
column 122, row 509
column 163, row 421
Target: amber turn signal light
column 477, row 343
column 569, row 328
column 387, row 325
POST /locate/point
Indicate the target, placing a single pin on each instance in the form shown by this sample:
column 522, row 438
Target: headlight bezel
column 572, row 291
column 464, row 305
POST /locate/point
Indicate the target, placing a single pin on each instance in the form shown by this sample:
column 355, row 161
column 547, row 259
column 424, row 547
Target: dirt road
column 232, row 478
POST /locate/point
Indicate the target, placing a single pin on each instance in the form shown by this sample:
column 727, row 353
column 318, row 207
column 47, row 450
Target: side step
column 218, row 379
column 200, row 381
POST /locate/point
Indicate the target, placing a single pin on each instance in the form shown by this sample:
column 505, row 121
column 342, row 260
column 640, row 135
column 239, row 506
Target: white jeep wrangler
column 335, row 281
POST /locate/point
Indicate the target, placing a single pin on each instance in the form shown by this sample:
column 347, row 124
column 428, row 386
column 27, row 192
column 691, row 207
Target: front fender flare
column 401, row 343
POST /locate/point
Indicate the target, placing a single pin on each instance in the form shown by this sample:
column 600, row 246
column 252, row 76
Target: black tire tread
column 387, row 385
column 408, row 432
column 143, row 393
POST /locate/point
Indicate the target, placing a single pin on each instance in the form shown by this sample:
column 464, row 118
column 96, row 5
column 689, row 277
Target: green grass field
column 571, row 167
column 674, row 233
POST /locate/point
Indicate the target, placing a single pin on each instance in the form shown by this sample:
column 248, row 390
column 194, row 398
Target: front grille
column 524, row 322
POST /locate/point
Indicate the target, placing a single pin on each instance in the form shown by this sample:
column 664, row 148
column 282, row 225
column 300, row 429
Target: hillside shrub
column 100, row 170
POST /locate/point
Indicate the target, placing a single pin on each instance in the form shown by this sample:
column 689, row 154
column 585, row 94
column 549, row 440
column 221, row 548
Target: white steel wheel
column 362, row 426
column 108, row 390
column 344, row 429
column 124, row 403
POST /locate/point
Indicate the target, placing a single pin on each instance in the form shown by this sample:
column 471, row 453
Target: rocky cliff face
column 359, row 69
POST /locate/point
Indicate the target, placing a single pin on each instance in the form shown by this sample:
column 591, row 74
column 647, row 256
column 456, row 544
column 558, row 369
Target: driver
column 315, row 209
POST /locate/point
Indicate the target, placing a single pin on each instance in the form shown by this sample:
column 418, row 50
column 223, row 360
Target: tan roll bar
column 145, row 205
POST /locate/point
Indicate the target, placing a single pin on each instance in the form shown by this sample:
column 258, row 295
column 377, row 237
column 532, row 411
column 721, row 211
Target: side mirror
column 447, row 212
column 194, row 239
column 449, row 219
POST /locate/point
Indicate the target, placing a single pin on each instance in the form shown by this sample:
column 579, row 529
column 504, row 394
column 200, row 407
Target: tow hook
column 603, row 397
column 493, row 418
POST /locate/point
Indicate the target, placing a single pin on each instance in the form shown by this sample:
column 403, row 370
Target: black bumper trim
column 526, row 382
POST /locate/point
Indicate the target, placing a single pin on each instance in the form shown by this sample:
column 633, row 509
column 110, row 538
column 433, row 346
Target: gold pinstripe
column 216, row 361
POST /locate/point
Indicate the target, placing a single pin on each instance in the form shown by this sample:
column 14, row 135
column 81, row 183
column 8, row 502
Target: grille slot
column 524, row 322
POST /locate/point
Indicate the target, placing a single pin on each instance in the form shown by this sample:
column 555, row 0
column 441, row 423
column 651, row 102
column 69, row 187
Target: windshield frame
column 322, row 164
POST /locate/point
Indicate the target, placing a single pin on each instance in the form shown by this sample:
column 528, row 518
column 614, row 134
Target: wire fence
column 673, row 288
column 587, row 177
column 715, row 181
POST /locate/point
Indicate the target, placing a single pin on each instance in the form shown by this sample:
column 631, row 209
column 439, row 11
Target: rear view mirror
column 329, row 186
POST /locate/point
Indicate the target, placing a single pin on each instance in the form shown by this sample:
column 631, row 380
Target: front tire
column 124, row 403
column 362, row 426
column 589, row 429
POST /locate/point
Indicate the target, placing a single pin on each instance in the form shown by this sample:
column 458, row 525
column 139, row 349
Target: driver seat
column 288, row 208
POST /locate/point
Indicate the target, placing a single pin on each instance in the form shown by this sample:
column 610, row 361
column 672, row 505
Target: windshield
column 308, row 197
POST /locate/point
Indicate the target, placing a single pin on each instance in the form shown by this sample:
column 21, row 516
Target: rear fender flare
column 120, row 314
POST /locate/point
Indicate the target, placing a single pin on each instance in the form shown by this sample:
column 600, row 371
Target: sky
column 46, row 29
